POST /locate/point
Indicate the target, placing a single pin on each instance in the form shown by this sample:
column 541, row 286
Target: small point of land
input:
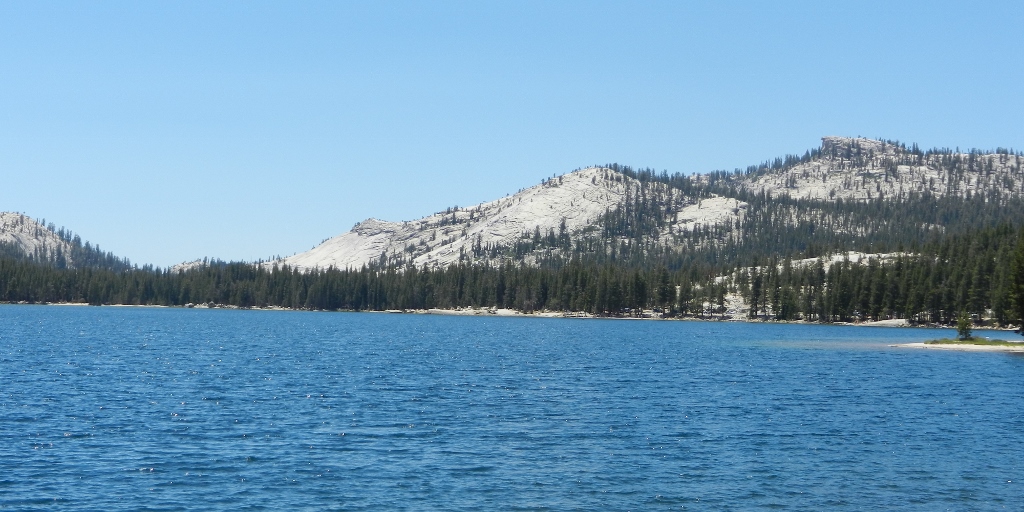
column 972, row 344
column 975, row 340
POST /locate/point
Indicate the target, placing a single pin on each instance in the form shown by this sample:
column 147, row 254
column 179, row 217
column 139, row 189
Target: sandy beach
column 963, row 347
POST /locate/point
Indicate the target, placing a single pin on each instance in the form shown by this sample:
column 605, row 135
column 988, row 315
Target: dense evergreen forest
column 981, row 273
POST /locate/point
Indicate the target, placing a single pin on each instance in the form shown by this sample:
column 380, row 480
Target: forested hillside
column 854, row 230
column 24, row 238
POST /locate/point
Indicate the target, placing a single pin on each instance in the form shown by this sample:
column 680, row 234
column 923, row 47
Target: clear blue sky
column 170, row 131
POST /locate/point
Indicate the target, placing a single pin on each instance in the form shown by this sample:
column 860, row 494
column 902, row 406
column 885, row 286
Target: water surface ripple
column 166, row 409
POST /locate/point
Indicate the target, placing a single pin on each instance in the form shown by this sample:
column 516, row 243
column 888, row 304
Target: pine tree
column 665, row 291
column 1017, row 284
column 963, row 325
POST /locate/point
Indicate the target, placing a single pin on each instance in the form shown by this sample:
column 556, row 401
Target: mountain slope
column 23, row 237
column 850, row 192
column 561, row 208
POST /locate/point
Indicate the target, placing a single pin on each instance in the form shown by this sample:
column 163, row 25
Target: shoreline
column 965, row 347
column 510, row 313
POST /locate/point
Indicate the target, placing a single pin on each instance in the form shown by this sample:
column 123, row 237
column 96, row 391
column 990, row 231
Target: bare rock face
column 836, row 146
column 187, row 265
column 373, row 227
column 570, row 202
column 571, row 205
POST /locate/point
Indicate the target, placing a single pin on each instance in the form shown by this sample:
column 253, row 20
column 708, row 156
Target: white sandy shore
column 488, row 312
column 963, row 348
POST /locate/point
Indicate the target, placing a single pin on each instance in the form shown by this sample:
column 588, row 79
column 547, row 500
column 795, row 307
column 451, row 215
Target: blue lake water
column 127, row 408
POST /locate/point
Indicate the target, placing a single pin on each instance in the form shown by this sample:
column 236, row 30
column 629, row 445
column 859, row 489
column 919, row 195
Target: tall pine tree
column 1017, row 283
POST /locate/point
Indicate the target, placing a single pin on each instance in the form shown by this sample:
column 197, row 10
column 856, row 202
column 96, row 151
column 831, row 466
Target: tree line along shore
column 980, row 273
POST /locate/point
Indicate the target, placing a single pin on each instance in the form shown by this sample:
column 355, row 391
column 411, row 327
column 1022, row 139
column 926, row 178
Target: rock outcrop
column 32, row 238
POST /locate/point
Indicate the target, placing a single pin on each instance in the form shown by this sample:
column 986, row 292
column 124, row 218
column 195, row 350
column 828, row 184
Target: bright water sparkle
column 128, row 408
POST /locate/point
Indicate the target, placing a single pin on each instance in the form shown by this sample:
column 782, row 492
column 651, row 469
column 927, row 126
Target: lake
column 125, row 408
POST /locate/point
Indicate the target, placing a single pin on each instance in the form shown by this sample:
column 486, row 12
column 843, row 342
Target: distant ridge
column 605, row 206
column 865, row 169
